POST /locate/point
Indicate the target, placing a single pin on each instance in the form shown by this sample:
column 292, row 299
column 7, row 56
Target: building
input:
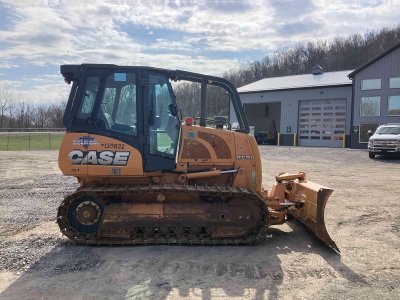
column 316, row 107
column 376, row 95
column 332, row 109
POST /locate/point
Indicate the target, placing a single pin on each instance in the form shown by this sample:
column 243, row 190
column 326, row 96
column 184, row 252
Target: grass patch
column 33, row 141
column 40, row 141
column 163, row 140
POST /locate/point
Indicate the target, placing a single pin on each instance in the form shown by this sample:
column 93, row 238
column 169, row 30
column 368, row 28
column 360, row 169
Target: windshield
column 388, row 130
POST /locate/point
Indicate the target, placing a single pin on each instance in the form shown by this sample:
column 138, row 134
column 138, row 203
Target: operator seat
column 103, row 115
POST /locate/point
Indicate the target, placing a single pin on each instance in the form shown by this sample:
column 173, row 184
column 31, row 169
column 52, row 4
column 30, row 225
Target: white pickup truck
column 385, row 140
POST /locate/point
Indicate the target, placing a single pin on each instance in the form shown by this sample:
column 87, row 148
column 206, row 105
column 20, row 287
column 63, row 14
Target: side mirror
column 369, row 133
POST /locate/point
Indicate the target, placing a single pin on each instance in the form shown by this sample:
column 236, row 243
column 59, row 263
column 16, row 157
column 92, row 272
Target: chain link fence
column 14, row 141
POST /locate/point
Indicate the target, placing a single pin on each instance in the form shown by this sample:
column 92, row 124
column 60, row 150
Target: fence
column 11, row 141
column 32, row 129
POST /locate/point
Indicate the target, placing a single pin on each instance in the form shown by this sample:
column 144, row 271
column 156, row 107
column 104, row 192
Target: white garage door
column 322, row 123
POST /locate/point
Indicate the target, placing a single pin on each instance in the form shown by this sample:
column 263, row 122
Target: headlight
column 371, row 142
column 398, row 142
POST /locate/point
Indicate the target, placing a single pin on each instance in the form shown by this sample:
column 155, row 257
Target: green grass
column 40, row 141
column 164, row 140
column 33, row 141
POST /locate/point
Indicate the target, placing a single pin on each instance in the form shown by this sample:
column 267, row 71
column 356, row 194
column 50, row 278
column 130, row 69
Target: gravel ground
column 362, row 217
column 38, row 195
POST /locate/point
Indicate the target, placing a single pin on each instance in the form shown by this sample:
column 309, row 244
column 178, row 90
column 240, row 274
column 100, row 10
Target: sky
column 210, row 37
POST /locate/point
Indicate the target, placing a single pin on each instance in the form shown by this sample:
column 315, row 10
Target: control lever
column 89, row 121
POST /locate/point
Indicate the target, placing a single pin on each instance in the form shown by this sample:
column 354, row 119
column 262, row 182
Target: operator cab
column 133, row 105
column 136, row 105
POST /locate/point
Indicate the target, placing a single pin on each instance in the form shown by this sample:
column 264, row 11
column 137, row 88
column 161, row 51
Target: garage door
column 322, row 123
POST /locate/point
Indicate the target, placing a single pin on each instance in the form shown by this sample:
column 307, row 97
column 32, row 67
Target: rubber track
column 119, row 190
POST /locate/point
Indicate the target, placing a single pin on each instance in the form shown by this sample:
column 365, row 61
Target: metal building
column 376, row 95
column 309, row 110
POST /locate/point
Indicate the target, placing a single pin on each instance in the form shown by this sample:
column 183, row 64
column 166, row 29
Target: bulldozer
column 147, row 176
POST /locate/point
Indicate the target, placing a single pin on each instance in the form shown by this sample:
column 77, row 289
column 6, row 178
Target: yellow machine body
column 211, row 149
column 212, row 195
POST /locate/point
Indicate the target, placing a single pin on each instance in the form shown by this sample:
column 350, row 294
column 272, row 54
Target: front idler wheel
column 84, row 214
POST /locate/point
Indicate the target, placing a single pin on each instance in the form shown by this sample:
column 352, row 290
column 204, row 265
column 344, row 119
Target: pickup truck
column 385, row 140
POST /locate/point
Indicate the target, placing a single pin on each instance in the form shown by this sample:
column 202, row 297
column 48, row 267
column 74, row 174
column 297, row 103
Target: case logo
column 93, row 157
column 85, row 141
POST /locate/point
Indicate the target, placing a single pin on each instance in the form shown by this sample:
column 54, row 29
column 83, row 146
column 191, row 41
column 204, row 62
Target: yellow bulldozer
column 148, row 177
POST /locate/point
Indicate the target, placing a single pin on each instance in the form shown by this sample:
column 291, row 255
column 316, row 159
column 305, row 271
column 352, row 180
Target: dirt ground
column 362, row 216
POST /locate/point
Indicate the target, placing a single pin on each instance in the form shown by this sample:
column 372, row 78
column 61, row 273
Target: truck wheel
column 371, row 155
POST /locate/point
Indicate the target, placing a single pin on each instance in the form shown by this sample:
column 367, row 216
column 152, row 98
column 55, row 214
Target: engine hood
column 379, row 137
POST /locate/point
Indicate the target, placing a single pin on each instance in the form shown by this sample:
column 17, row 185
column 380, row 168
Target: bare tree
column 339, row 53
column 370, row 107
column 6, row 100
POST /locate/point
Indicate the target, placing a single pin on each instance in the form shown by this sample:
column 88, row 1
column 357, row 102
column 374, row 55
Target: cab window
column 89, row 97
column 118, row 108
column 163, row 119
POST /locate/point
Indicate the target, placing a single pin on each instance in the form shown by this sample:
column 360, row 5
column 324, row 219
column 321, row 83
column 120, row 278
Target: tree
column 6, row 101
column 339, row 53
column 370, row 106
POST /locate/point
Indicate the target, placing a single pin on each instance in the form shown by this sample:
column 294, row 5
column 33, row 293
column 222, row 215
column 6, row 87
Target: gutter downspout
column 352, row 110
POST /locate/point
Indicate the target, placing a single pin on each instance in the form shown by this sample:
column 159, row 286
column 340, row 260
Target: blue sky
column 202, row 36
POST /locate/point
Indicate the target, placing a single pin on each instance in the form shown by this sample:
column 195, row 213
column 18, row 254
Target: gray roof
column 298, row 82
column 370, row 62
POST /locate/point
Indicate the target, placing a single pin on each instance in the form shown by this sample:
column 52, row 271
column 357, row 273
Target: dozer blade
column 314, row 197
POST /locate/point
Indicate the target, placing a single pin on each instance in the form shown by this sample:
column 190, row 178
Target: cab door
column 161, row 123
column 79, row 121
column 117, row 149
column 108, row 109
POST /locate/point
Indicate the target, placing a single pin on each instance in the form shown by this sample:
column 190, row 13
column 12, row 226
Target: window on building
column 370, row 106
column 394, row 82
column 364, row 128
column 371, row 84
column 394, row 106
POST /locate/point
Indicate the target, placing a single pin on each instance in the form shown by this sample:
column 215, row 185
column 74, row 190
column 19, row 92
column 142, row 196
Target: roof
column 298, row 82
column 368, row 63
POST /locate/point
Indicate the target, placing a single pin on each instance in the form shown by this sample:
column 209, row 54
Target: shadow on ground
column 389, row 158
column 72, row 271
